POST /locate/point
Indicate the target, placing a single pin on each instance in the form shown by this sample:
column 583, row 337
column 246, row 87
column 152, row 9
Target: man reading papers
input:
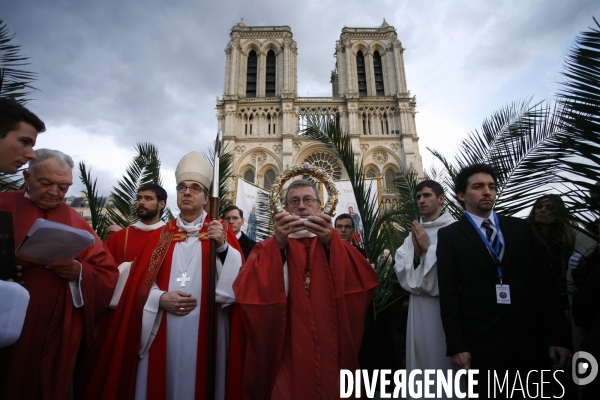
column 67, row 296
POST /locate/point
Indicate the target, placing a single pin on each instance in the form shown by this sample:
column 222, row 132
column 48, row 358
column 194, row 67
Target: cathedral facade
column 261, row 114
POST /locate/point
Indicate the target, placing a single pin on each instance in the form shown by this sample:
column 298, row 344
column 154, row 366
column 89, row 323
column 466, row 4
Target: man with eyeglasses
column 303, row 296
column 158, row 340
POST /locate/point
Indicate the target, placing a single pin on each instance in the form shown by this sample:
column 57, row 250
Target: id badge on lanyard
column 502, row 290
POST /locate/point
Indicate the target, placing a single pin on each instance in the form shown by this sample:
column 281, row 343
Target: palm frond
column 545, row 147
column 379, row 228
column 225, row 175
column 95, row 202
column 10, row 182
column 14, row 81
column 144, row 168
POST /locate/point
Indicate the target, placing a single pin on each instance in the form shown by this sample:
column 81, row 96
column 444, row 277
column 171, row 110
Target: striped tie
column 492, row 237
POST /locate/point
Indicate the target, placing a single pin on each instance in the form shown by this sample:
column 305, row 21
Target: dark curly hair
column 461, row 180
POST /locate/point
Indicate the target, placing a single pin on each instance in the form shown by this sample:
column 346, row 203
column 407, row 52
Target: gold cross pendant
column 307, row 282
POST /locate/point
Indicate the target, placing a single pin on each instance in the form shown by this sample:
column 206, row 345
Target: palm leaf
column 144, row 168
column 10, row 182
column 379, row 226
column 225, row 175
column 545, row 147
column 14, row 82
column 95, row 202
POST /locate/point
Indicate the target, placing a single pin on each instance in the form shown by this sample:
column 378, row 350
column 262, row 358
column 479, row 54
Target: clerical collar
column 146, row 228
column 239, row 234
column 193, row 226
column 479, row 220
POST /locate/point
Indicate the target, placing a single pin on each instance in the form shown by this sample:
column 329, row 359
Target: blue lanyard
column 494, row 250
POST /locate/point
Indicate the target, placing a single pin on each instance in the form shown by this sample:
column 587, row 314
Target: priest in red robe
column 125, row 244
column 157, row 343
column 303, row 295
column 67, row 297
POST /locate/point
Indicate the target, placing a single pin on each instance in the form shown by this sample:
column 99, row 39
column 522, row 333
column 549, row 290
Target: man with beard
column 498, row 303
column 125, row 244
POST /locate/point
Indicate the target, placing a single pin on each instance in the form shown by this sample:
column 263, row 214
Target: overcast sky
column 115, row 73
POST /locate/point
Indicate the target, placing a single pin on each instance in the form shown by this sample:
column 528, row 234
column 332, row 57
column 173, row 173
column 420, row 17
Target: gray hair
column 302, row 183
column 44, row 154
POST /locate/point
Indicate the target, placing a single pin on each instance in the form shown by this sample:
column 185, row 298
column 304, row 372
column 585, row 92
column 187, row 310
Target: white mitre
column 194, row 167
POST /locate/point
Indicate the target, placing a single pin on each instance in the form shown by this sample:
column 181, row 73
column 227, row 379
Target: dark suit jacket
column 494, row 333
column 247, row 245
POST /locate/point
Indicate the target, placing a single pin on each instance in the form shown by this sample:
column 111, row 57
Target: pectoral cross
column 184, row 278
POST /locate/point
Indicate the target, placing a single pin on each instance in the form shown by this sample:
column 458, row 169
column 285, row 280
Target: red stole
column 114, row 374
column 157, row 385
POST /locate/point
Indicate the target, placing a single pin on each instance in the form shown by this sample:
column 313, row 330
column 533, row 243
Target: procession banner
column 246, row 199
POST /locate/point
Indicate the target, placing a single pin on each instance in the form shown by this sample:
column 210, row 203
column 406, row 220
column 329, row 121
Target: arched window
column 379, row 90
column 248, row 128
column 370, row 174
column 361, row 74
column 251, row 75
column 249, row 176
column 269, row 179
column 270, row 78
column 389, row 178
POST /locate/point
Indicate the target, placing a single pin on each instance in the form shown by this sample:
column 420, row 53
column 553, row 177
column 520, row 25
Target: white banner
column 347, row 200
column 246, row 199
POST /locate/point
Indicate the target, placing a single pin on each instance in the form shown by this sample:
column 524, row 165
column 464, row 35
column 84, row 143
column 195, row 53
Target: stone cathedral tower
column 261, row 113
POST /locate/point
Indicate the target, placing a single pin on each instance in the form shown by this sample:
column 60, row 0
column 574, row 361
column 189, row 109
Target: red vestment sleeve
column 41, row 362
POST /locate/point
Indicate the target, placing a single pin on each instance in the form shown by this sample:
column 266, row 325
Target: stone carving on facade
column 380, row 157
column 277, row 148
column 240, row 149
column 259, row 157
column 394, row 146
column 297, row 146
column 364, row 147
column 326, row 161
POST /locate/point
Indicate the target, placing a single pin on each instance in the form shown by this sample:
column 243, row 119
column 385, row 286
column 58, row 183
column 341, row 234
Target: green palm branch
column 225, row 175
column 144, row 168
column 380, row 227
column 541, row 147
column 14, row 81
column 95, row 202
column 10, row 182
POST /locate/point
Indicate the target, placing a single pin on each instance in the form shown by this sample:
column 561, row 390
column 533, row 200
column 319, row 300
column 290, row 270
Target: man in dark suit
column 498, row 304
column 235, row 217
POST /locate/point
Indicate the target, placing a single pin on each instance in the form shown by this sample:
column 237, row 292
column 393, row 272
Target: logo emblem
column 585, row 368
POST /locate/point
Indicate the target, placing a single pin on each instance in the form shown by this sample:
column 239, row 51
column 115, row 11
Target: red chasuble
column 297, row 344
column 40, row 364
column 126, row 244
column 114, row 374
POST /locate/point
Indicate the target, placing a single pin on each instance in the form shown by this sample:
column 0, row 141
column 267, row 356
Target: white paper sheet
column 50, row 241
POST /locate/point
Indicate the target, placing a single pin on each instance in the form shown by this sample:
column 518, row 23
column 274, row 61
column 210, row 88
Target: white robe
column 425, row 338
column 182, row 331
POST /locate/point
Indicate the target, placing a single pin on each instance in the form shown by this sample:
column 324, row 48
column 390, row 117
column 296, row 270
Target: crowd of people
column 129, row 317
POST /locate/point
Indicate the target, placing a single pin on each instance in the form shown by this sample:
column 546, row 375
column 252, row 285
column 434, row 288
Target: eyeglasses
column 194, row 189
column 308, row 201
